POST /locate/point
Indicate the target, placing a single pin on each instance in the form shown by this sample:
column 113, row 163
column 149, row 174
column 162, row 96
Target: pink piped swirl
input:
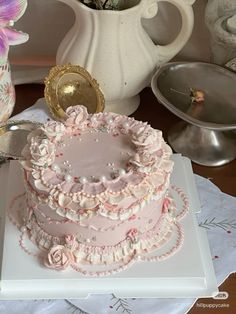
column 54, row 130
column 144, row 162
column 59, row 258
column 147, row 140
column 77, row 116
column 133, row 235
column 42, row 152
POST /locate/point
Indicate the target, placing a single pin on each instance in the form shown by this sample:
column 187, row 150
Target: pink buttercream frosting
column 91, row 182
column 59, row 257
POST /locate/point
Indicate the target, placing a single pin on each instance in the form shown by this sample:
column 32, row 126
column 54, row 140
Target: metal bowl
column 208, row 134
column 13, row 137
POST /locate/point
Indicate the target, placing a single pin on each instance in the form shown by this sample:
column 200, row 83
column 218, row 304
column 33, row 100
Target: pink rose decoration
column 59, row 258
column 144, row 162
column 42, row 152
column 147, row 139
column 132, row 235
column 77, row 115
column 54, row 130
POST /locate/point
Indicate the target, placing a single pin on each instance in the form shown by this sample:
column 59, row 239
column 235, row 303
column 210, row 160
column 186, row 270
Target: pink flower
column 132, row 235
column 77, row 115
column 59, row 258
column 42, row 152
column 10, row 12
column 144, row 161
column 147, row 140
column 54, row 130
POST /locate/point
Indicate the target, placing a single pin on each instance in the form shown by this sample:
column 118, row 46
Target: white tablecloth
column 218, row 217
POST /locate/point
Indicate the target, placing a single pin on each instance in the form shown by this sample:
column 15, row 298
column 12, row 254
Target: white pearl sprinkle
column 82, row 179
column 55, row 167
column 110, row 121
column 23, row 229
column 126, row 125
column 96, row 140
column 88, row 240
column 68, row 178
column 122, row 172
column 44, row 141
column 102, row 179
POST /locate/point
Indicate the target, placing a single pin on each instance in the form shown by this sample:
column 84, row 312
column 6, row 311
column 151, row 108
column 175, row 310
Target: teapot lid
column 71, row 85
column 13, row 137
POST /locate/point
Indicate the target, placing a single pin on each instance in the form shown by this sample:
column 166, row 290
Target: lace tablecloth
column 218, row 217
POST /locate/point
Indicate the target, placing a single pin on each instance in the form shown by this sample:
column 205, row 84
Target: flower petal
column 15, row 37
column 4, row 47
column 12, row 9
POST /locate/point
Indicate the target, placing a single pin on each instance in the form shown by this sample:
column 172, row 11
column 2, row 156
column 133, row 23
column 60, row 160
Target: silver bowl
column 207, row 133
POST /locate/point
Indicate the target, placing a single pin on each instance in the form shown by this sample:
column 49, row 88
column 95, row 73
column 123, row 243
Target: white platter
column 189, row 273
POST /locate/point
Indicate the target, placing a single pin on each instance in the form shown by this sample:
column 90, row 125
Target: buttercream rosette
column 77, row 117
column 59, row 257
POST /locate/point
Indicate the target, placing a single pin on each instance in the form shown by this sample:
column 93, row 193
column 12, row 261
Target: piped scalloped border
column 125, row 254
column 142, row 174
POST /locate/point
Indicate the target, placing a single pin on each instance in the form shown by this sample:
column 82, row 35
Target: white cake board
column 189, row 273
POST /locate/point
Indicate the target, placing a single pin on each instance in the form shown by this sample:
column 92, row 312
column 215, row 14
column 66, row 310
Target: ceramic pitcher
column 114, row 47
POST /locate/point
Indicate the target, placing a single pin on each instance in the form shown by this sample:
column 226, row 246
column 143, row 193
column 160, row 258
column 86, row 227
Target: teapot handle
column 167, row 52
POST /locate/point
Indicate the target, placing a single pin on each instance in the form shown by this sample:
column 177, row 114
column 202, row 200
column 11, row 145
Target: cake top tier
column 93, row 156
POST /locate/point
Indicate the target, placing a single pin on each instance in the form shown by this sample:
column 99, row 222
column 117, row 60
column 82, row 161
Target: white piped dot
column 55, row 167
column 110, row 121
column 122, row 172
column 23, row 229
column 102, row 179
column 68, row 178
column 83, row 180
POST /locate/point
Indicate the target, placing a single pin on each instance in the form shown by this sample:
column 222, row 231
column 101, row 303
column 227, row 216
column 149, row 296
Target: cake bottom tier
column 116, row 242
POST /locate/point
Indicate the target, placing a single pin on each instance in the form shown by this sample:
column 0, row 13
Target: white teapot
column 114, row 47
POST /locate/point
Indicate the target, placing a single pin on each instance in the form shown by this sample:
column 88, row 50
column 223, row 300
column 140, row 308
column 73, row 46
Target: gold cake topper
column 71, row 85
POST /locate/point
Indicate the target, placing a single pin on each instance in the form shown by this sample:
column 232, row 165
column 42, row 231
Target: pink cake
column 96, row 189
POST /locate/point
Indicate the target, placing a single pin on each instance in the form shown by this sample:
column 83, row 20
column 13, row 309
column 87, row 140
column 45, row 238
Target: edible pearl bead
column 110, row 121
column 122, row 172
column 126, row 125
column 102, row 178
column 44, row 141
column 82, row 179
column 23, row 229
column 55, row 167
column 68, row 178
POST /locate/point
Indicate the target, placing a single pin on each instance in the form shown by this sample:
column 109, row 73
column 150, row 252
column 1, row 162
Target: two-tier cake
column 96, row 189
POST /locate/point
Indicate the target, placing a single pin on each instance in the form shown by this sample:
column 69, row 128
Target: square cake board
column 187, row 274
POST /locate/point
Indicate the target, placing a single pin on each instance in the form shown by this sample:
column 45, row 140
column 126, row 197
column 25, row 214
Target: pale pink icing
column 66, row 250
column 95, row 187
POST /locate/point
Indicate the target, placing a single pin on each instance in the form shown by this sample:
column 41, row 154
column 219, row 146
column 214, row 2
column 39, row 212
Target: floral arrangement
column 102, row 4
column 10, row 12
